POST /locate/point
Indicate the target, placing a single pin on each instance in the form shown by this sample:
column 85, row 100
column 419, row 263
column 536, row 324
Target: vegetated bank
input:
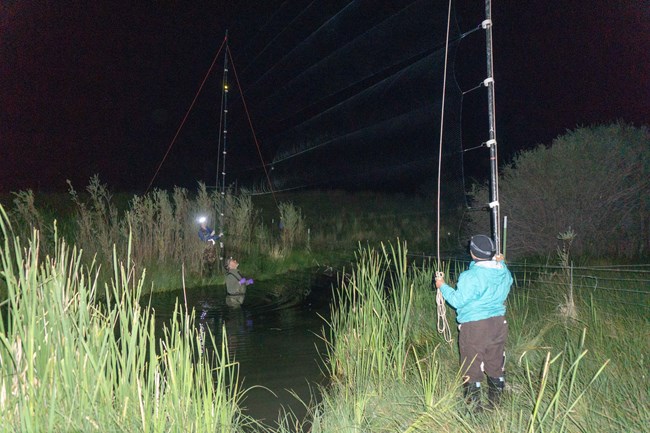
column 577, row 346
column 576, row 351
column 576, row 362
column 269, row 234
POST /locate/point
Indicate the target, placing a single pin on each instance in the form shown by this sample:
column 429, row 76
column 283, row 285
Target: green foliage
column 98, row 224
column 338, row 220
column 293, row 232
column 595, row 180
column 562, row 376
column 163, row 229
column 564, row 278
column 317, row 228
column 71, row 363
column 379, row 355
column 26, row 215
column 240, row 224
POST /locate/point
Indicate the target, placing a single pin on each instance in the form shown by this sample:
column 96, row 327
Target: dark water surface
column 275, row 336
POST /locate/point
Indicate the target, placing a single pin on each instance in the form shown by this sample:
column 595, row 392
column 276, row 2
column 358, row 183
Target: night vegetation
column 270, row 233
column 78, row 351
column 594, row 181
column 72, row 363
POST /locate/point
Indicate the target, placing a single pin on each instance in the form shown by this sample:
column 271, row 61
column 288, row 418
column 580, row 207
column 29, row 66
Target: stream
column 275, row 336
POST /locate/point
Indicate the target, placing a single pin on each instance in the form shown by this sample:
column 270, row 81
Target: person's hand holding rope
column 443, row 326
column 440, row 279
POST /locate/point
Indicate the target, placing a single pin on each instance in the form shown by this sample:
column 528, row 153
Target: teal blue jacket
column 481, row 291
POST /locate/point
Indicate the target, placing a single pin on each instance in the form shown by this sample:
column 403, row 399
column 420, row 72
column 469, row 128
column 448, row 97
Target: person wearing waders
column 235, row 284
column 479, row 301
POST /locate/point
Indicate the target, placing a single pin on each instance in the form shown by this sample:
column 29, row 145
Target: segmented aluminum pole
column 492, row 142
column 225, row 135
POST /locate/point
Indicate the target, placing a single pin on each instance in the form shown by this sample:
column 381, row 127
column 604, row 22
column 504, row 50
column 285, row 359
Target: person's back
column 481, row 291
column 479, row 299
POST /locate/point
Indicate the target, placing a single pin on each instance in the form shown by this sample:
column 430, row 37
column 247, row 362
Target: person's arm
column 242, row 280
column 462, row 294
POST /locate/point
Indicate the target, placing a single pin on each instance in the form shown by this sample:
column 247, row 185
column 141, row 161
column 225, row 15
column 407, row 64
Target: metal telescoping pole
column 225, row 134
column 492, row 142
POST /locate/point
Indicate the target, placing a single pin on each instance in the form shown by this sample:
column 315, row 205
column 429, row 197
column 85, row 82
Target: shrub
column 293, row 226
column 593, row 180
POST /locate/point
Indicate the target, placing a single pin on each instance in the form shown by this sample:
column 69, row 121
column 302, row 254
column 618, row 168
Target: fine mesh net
column 355, row 101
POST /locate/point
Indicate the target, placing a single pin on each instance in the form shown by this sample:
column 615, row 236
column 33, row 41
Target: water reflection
column 274, row 334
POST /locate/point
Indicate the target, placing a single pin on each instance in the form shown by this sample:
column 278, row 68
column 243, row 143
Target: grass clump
column 269, row 234
column 391, row 371
column 71, row 363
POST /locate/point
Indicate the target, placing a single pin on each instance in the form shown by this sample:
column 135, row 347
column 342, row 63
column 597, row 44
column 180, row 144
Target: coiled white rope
column 442, row 325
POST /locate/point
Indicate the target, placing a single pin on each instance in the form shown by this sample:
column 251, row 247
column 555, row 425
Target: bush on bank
column 594, row 181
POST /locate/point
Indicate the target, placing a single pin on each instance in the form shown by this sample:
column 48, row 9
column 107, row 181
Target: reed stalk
column 293, row 231
column 241, row 222
column 71, row 363
column 560, row 378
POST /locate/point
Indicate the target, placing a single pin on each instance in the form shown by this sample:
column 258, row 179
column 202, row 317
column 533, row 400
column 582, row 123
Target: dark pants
column 482, row 348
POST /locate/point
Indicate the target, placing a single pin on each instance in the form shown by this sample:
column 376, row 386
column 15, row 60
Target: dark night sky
column 101, row 88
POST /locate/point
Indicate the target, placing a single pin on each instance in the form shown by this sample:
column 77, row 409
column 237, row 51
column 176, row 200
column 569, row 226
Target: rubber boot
column 496, row 385
column 472, row 393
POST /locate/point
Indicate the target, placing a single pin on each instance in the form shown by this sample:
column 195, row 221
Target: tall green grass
column 565, row 374
column 289, row 231
column 71, row 363
column 160, row 228
column 80, row 355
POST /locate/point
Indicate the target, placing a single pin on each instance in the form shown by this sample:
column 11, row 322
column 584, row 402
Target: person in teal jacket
column 479, row 299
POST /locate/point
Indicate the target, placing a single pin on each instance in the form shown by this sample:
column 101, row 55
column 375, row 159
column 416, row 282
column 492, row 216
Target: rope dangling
column 442, row 324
